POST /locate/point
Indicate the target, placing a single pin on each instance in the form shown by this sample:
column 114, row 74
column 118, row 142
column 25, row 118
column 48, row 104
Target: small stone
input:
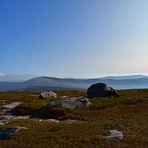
column 3, row 122
column 115, row 135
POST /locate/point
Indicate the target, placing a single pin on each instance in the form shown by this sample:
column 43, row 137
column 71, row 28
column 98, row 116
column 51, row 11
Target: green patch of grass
column 102, row 103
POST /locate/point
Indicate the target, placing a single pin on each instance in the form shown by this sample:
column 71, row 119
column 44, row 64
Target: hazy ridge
column 52, row 83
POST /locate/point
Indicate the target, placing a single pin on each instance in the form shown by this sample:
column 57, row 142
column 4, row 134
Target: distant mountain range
column 39, row 84
column 126, row 77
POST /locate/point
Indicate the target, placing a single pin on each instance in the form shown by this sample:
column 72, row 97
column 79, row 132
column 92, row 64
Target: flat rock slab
column 70, row 103
column 50, row 120
column 115, row 135
column 12, row 105
column 5, row 133
column 54, row 120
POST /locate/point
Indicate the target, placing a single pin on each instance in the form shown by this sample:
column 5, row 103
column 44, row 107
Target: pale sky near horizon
column 74, row 38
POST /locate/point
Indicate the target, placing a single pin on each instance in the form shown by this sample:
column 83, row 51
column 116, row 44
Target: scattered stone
column 4, row 111
column 6, row 114
column 48, row 94
column 63, row 97
column 2, row 100
column 50, row 120
column 71, row 120
column 100, row 90
column 3, row 122
column 5, row 133
column 115, row 135
column 12, row 105
column 8, row 117
column 70, row 103
column 54, row 120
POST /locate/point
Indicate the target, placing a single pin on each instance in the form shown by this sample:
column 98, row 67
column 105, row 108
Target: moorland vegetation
column 126, row 113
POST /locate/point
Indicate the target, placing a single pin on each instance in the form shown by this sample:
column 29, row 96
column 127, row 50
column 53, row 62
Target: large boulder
column 100, row 90
column 48, row 94
column 70, row 103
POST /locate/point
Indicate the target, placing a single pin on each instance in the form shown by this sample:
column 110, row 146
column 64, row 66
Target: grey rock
column 100, row 90
column 48, row 94
column 115, row 135
column 70, row 103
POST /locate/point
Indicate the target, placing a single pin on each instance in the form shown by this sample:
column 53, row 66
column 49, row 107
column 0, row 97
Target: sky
column 74, row 38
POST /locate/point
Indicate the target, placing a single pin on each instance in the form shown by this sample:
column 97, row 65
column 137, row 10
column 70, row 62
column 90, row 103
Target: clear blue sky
column 74, row 38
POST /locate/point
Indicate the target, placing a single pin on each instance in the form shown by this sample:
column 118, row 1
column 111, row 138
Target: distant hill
column 40, row 82
column 51, row 83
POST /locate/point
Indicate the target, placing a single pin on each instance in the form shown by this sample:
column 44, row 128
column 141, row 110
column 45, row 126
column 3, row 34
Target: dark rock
column 5, row 133
column 70, row 103
column 48, row 94
column 100, row 90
